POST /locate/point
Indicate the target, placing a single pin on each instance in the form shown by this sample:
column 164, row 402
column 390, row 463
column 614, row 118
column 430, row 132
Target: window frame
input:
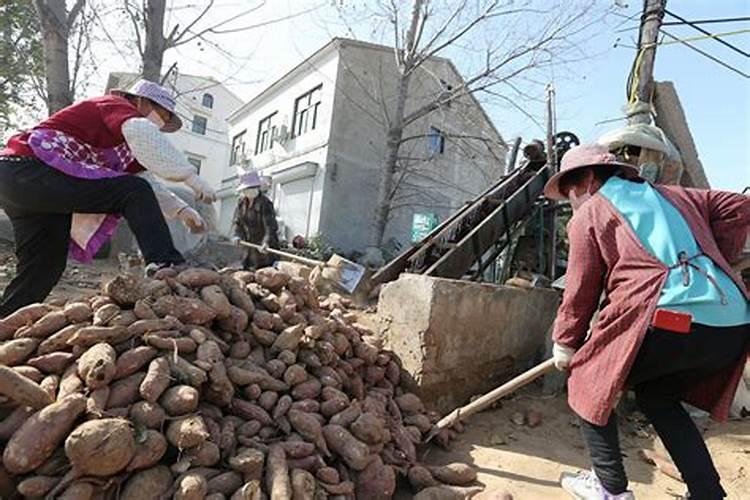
column 436, row 144
column 210, row 104
column 192, row 158
column 234, row 158
column 194, row 121
column 260, row 138
column 311, row 108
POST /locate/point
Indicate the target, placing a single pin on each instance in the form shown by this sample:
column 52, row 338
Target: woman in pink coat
column 674, row 324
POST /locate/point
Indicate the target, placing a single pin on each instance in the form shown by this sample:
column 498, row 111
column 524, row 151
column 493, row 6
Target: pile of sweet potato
column 203, row 384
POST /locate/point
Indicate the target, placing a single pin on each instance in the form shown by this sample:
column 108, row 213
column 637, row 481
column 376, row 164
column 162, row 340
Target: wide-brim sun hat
column 583, row 156
column 249, row 180
column 641, row 135
column 158, row 95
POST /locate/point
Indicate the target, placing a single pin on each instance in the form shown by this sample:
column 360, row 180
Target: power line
column 706, row 21
column 706, row 32
column 706, row 54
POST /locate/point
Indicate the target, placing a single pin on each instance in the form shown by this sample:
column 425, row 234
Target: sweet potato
column 410, row 404
column 53, row 363
column 303, row 485
column 332, row 407
column 278, row 485
column 150, row 448
column 421, row 478
column 225, row 483
column 91, row 335
column 369, row 428
column 328, row 475
column 250, row 411
column 30, row 372
column 183, row 345
column 288, row 339
column 282, row 407
column 271, row 279
column 220, row 389
column 70, row 383
column 343, row 489
column 198, row 278
column 79, row 490
column 104, row 314
column 180, row 400
column 44, row 326
column 355, row 453
column 133, row 360
column 307, row 390
column 309, row 428
column 125, row 391
column 13, row 421
column 263, row 336
column 142, row 310
column 36, row 440
column 148, row 484
column 96, row 403
column 187, row 432
column 206, row 454
column 210, row 352
column 22, row 390
column 249, row 491
column 236, row 322
column 268, row 400
column 190, row 311
column 143, row 326
column 101, row 447
column 214, row 298
column 96, row 367
column 298, row 449
column 37, row 486
column 237, row 296
column 295, row 375
column 148, row 415
column 306, row 405
column 59, row 340
column 185, row 372
column 15, row 352
column 78, row 312
column 276, row 368
column 191, row 487
column 24, row 316
column 123, row 318
column 377, row 481
column 456, row 474
column 156, row 381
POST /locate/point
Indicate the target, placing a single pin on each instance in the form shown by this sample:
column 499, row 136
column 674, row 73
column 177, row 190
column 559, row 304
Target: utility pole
column 642, row 91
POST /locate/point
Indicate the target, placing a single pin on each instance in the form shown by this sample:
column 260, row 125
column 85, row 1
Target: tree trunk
column 388, row 171
column 53, row 18
column 153, row 52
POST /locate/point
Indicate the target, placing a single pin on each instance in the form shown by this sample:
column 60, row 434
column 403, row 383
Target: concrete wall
column 457, row 339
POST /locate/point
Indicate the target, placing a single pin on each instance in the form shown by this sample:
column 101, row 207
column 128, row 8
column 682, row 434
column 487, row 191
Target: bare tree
column 513, row 41
column 57, row 24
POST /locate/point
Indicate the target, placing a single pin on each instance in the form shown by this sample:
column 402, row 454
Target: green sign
column 422, row 225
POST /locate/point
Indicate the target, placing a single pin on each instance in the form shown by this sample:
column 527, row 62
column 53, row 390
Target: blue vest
column 665, row 234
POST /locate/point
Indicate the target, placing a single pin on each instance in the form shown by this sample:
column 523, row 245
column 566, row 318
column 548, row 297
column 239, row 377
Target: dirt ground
column 527, row 462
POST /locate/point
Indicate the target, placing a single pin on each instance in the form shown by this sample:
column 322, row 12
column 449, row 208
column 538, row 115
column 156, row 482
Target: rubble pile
column 205, row 384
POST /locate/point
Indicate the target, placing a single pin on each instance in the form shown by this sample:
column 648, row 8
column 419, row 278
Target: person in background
column 674, row 324
column 66, row 182
column 255, row 221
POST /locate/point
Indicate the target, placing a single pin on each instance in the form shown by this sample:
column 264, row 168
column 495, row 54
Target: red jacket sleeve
column 583, row 284
column 729, row 217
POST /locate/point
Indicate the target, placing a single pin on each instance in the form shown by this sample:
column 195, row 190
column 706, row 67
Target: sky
column 589, row 92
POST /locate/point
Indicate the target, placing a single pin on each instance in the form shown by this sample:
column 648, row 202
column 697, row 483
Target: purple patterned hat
column 158, row 95
column 249, row 179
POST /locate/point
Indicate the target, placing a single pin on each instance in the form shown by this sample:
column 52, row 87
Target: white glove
column 192, row 220
column 202, row 190
column 562, row 356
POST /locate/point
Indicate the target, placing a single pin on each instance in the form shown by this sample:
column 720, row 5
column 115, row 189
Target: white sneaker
column 586, row 486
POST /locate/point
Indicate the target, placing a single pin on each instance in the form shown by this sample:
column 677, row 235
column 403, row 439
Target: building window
column 266, row 133
column 208, row 101
column 238, row 149
column 437, row 141
column 306, row 111
column 196, row 162
column 200, row 123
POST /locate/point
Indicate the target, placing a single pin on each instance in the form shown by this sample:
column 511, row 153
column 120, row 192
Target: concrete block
column 458, row 339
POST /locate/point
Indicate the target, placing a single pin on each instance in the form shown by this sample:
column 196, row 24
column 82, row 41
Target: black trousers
column 666, row 366
column 40, row 201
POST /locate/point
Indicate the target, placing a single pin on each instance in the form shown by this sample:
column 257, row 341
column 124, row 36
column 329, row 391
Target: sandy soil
column 527, row 462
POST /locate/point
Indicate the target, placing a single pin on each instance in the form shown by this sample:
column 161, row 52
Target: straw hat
column 156, row 94
column 586, row 155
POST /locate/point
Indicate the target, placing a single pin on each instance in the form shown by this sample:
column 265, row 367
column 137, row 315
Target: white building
column 204, row 106
column 320, row 133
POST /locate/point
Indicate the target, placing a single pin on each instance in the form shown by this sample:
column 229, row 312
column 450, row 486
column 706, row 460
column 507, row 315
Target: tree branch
column 74, row 11
column 173, row 39
column 136, row 28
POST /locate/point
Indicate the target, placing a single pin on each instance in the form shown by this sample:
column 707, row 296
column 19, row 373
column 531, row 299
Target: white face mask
column 251, row 192
column 157, row 120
